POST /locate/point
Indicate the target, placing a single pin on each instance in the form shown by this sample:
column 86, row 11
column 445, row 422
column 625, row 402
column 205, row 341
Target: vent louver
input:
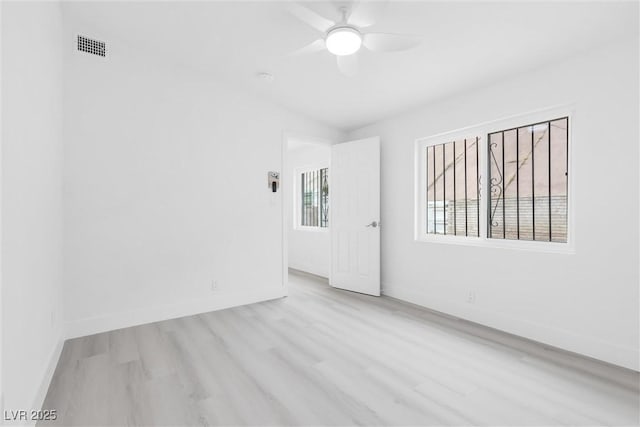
column 94, row 47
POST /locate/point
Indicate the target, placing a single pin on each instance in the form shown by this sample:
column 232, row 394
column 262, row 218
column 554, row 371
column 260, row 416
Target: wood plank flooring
column 323, row 356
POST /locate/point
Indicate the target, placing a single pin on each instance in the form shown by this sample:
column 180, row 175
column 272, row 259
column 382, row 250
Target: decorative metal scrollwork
column 495, row 185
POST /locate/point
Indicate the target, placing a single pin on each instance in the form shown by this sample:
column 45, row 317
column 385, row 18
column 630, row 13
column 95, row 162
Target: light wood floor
column 328, row 357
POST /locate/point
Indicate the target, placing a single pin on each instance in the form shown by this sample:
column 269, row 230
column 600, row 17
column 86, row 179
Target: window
column 528, row 175
column 453, row 190
column 314, row 200
column 500, row 184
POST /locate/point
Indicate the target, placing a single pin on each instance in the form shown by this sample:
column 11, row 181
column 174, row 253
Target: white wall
column 1, row 291
column 31, row 205
column 309, row 249
column 586, row 302
column 165, row 189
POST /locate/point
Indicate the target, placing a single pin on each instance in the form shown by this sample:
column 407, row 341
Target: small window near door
column 314, row 198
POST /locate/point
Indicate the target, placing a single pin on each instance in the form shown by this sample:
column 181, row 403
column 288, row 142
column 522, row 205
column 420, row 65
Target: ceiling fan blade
column 310, row 17
column 382, row 42
column 348, row 64
column 312, row 47
column 365, row 13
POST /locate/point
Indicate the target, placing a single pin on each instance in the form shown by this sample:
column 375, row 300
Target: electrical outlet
column 53, row 317
column 471, row 297
column 214, row 285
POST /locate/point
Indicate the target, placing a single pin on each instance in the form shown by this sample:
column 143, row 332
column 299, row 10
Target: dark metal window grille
column 453, row 188
column 315, row 198
column 528, row 179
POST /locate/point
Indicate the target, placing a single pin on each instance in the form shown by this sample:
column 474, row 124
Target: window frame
column 297, row 198
column 482, row 131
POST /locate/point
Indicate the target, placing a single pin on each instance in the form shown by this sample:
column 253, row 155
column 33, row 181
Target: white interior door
column 355, row 216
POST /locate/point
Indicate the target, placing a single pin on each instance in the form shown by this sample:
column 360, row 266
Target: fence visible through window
column 453, row 188
column 315, row 198
column 528, row 182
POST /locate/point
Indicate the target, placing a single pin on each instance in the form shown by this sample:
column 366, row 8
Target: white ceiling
column 466, row 45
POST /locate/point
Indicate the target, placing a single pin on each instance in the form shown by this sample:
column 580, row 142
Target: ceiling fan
column 345, row 38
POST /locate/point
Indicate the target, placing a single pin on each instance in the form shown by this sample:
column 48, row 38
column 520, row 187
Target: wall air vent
column 94, row 47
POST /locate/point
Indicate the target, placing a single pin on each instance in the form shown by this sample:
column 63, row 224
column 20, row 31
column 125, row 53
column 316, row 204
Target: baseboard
column 309, row 270
column 41, row 393
column 308, row 274
column 109, row 322
column 563, row 339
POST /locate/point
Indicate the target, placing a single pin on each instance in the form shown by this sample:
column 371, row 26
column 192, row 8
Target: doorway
column 307, row 205
column 331, row 211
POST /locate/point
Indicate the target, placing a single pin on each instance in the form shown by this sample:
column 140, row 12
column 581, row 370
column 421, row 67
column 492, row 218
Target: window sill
column 520, row 245
column 311, row 229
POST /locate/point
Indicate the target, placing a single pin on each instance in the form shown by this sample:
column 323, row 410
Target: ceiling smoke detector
column 266, row 77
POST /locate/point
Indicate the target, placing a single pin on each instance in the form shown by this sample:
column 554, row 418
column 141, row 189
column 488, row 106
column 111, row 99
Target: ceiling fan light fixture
column 343, row 41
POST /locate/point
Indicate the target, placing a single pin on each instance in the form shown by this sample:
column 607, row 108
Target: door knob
column 373, row 224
